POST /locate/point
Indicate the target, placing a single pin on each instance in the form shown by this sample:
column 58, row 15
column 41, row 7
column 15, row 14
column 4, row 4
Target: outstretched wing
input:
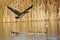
column 27, row 9
column 14, row 10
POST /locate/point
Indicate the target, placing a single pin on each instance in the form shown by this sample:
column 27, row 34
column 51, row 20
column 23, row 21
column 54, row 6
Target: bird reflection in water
column 15, row 33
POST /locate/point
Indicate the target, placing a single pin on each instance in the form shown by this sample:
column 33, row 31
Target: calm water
column 4, row 35
column 24, row 36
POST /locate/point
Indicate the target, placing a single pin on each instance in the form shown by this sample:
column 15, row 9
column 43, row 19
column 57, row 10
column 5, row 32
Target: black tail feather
column 17, row 17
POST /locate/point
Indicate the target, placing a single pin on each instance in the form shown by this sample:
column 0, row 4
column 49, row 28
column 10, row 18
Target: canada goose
column 19, row 14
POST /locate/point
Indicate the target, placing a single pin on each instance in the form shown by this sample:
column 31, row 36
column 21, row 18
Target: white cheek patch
column 22, row 15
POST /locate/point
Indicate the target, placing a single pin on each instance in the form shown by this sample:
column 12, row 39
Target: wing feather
column 14, row 10
column 27, row 9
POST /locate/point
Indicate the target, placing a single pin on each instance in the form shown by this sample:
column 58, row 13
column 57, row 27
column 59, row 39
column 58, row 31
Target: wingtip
column 7, row 6
column 31, row 6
